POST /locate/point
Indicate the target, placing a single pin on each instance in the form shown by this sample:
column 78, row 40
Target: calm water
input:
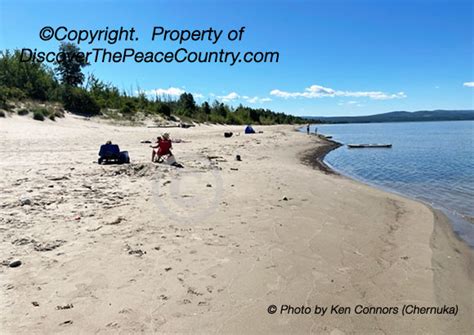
column 429, row 161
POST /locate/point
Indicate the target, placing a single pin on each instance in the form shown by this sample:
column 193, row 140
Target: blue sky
column 336, row 57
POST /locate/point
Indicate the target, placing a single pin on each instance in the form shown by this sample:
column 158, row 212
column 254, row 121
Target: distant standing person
column 315, row 131
column 307, row 129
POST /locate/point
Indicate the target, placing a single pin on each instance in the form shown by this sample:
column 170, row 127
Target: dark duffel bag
column 124, row 158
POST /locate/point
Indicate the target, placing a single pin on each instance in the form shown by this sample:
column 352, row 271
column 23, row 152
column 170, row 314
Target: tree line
column 66, row 83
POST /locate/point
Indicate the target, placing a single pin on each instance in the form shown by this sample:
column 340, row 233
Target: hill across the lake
column 401, row 116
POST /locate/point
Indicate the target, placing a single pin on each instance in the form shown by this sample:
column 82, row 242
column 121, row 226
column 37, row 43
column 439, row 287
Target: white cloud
column 172, row 91
column 198, row 95
column 175, row 92
column 317, row 91
column 235, row 96
column 283, row 94
column 229, row 97
column 350, row 103
column 253, row 100
column 469, row 84
column 256, row 100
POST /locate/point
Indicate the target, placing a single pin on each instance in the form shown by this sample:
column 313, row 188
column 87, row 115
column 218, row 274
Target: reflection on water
column 430, row 161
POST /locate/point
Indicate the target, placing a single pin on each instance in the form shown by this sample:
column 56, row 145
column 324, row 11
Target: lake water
column 429, row 161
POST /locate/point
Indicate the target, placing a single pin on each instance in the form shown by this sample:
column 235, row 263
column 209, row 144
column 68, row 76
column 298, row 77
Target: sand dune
column 206, row 249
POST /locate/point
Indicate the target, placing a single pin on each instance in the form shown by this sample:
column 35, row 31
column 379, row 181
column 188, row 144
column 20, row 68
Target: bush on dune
column 79, row 101
column 39, row 114
column 23, row 112
column 19, row 80
column 162, row 108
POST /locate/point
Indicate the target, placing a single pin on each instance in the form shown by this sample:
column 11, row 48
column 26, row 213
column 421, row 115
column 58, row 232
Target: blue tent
column 249, row 130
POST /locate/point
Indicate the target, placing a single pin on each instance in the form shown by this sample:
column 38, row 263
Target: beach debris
column 58, row 178
column 18, row 182
column 25, row 201
column 65, row 323
column 116, row 221
column 23, row 241
column 137, row 252
column 285, row 199
column 208, row 185
column 145, row 141
column 234, row 169
column 228, row 134
column 94, row 229
column 68, row 306
column 48, row 246
column 112, row 324
column 35, row 303
column 214, row 157
column 77, row 217
column 14, row 264
column 168, row 269
column 238, row 158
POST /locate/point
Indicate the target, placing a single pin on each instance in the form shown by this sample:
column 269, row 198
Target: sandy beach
column 208, row 248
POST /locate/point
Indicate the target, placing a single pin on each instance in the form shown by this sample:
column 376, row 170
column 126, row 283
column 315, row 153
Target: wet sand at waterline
column 207, row 249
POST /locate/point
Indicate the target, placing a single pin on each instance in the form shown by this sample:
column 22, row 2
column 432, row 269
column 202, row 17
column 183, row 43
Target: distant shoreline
column 400, row 116
column 378, row 122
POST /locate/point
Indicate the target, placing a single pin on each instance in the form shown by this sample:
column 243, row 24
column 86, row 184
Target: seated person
column 162, row 147
column 109, row 151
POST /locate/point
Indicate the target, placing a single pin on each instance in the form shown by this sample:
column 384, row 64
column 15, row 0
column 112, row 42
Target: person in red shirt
column 162, row 147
